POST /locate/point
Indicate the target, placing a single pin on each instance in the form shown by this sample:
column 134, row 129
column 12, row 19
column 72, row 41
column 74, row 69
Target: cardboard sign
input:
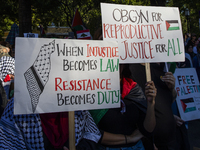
column 188, row 93
column 54, row 75
column 144, row 33
column 31, row 35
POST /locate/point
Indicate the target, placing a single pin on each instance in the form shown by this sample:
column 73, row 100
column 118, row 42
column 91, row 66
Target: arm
column 169, row 79
column 150, row 92
column 117, row 139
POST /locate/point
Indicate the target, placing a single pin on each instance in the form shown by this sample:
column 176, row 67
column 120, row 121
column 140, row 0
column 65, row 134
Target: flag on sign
column 172, row 25
column 188, row 105
column 83, row 34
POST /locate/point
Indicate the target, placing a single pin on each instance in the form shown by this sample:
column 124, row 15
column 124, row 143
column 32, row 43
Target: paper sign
column 144, row 33
column 31, row 35
column 55, row 75
column 188, row 93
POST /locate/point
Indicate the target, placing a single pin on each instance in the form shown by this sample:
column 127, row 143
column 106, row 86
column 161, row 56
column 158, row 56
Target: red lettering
column 177, row 90
column 89, row 85
column 96, row 84
column 101, row 83
column 72, row 86
column 183, row 77
column 65, row 85
column 188, row 89
column 79, row 85
column 57, row 84
column 105, row 30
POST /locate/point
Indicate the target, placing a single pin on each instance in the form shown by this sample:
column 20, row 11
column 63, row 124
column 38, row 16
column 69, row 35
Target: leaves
column 61, row 12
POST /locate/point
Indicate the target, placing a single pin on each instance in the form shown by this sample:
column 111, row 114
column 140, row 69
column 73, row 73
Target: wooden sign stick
column 148, row 71
column 71, row 131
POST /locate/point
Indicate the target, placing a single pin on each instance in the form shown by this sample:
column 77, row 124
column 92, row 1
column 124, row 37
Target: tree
column 25, row 17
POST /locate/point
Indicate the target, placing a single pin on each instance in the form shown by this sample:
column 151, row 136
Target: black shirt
column 165, row 124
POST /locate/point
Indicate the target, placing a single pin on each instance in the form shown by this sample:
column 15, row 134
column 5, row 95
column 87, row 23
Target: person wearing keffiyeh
column 7, row 68
column 47, row 131
column 123, row 128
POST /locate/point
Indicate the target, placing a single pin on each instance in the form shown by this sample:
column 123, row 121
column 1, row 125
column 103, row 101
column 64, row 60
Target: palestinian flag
column 83, row 34
column 188, row 105
column 172, row 25
column 77, row 22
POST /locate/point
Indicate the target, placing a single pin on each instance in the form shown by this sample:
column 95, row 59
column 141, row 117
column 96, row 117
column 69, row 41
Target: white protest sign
column 54, row 75
column 144, row 33
column 188, row 93
column 31, row 35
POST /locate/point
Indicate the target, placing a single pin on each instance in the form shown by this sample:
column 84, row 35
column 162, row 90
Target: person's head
column 3, row 49
column 7, row 45
column 98, row 34
column 189, row 49
column 124, row 71
column 194, row 37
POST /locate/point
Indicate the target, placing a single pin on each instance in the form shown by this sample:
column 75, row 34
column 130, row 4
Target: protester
column 188, row 58
column 182, row 141
column 196, row 61
column 192, row 40
column 164, row 134
column 186, row 38
column 189, row 50
column 46, row 131
column 195, row 46
column 3, row 99
column 7, row 67
column 120, row 126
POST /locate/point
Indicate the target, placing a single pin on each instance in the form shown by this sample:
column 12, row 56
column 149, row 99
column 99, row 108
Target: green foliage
column 61, row 12
column 9, row 15
column 194, row 8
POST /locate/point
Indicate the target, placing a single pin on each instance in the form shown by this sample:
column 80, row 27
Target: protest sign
column 31, row 35
column 188, row 93
column 54, row 75
column 144, row 33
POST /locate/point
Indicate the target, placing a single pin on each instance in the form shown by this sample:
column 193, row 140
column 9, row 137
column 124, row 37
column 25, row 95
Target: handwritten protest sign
column 144, row 33
column 54, row 75
column 188, row 93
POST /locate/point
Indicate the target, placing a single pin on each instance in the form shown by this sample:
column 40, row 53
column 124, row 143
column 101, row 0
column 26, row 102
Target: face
column 193, row 38
column 190, row 49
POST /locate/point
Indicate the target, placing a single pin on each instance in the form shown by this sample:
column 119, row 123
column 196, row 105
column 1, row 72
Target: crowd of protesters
column 145, row 120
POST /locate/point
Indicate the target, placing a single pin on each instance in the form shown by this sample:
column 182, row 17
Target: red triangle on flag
column 77, row 19
column 183, row 105
column 167, row 25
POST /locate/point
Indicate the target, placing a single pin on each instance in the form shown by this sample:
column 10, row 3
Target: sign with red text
column 188, row 93
column 144, row 33
column 55, row 75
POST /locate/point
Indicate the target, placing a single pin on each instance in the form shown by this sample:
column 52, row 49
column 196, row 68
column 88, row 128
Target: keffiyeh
column 25, row 131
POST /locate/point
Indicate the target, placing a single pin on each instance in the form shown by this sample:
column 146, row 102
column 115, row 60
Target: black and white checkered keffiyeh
column 19, row 132
column 7, row 66
column 38, row 74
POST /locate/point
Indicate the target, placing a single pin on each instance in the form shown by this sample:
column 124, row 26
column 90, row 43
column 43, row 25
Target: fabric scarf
column 25, row 131
column 7, row 66
column 127, row 85
column 55, row 126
